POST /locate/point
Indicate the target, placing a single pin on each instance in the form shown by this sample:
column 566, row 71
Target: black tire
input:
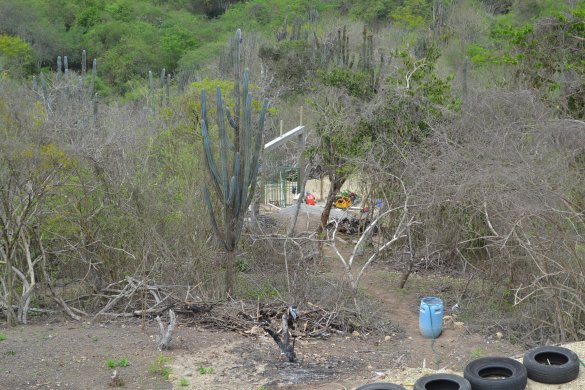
column 496, row 373
column 552, row 365
column 381, row 386
column 442, row 382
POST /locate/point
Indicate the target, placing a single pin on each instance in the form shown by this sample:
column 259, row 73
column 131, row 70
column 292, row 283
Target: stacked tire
column 550, row 365
column 496, row 373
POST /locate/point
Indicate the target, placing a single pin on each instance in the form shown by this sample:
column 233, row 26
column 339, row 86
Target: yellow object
column 343, row 202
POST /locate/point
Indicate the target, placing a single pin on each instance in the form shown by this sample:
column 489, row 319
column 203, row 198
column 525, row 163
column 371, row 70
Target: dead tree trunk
column 284, row 344
column 163, row 341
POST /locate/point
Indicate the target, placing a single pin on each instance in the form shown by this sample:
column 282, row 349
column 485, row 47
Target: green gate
column 281, row 187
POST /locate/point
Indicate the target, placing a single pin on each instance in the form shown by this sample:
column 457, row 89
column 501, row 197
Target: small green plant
column 183, row 382
column 123, row 362
column 159, row 366
column 476, row 353
column 113, row 363
column 2, row 337
column 10, row 353
column 206, row 370
column 262, row 388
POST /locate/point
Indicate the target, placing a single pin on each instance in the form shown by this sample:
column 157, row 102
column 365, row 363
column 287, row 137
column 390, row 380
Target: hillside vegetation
column 464, row 118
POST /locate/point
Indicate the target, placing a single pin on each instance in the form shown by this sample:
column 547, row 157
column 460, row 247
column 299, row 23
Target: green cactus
column 234, row 178
column 93, row 76
column 45, row 91
column 59, row 67
column 168, row 91
column 162, row 85
column 83, row 63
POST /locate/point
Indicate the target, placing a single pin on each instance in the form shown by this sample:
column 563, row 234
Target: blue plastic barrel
column 431, row 317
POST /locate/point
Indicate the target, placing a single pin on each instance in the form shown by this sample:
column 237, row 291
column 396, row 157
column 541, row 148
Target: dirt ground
column 52, row 353
column 65, row 355
column 57, row 354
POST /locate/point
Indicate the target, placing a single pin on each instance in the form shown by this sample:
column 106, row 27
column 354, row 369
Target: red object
column 310, row 199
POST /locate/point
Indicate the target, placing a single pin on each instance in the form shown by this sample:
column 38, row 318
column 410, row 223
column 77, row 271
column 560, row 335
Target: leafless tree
column 404, row 221
column 503, row 196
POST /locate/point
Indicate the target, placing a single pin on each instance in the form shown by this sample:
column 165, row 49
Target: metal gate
column 280, row 188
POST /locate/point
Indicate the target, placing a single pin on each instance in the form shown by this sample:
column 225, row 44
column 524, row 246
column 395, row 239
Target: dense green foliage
column 131, row 37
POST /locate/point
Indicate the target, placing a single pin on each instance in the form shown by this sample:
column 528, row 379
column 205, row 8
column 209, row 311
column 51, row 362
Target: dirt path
column 347, row 362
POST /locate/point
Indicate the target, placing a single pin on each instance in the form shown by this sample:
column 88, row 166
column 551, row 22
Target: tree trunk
column 334, row 188
column 230, row 266
column 411, row 257
column 10, row 314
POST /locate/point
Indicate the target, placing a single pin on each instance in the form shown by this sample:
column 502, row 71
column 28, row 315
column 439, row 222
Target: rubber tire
column 475, row 373
column 381, row 386
column 426, row 382
column 566, row 369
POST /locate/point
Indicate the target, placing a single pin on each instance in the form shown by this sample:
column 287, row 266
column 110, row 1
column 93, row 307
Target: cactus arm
column 209, row 158
column 234, row 196
column 242, row 98
column 237, row 71
column 223, row 144
column 257, row 150
column 207, row 145
column 212, row 217
column 247, row 147
column 233, row 126
column 232, row 192
column 230, row 118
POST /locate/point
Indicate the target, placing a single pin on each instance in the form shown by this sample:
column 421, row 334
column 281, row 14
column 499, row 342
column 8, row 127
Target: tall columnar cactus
column 93, row 77
column 83, row 63
column 168, row 90
column 45, row 91
column 59, row 67
column 234, row 176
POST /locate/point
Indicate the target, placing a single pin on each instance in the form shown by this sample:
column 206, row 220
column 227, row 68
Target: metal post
column 301, row 149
